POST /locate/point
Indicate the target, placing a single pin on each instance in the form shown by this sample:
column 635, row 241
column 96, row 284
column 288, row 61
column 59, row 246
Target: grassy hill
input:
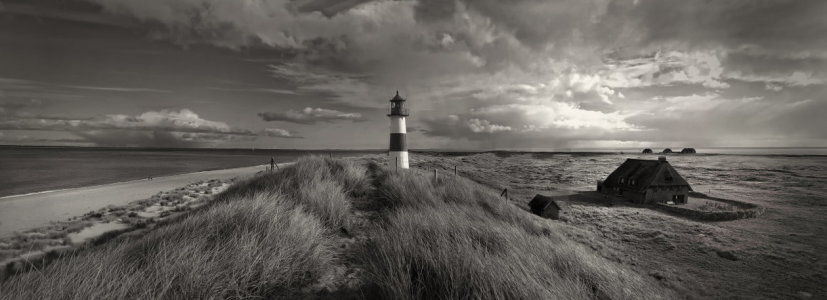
column 343, row 229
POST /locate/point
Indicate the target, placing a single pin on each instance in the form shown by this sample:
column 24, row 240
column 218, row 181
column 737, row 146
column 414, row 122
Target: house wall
column 634, row 196
column 662, row 195
column 551, row 212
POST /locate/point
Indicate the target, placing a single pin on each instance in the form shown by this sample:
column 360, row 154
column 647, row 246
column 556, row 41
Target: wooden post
column 396, row 165
column 455, row 170
column 505, row 193
column 434, row 174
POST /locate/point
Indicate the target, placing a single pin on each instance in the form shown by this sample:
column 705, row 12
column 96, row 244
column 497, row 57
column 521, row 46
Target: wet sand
column 21, row 212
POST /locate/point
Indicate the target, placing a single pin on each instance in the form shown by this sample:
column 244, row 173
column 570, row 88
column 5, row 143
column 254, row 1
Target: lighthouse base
column 398, row 159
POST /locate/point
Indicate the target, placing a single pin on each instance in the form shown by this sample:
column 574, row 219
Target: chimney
column 662, row 158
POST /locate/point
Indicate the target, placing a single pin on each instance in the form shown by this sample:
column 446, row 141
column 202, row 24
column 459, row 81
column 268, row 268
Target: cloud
column 479, row 126
column 116, row 89
column 257, row 90
column 673, row 67
column 524, row 122
column 280, row 133
column 522, row 72
column 310, row 115
column 795, row 79
column 168, row 128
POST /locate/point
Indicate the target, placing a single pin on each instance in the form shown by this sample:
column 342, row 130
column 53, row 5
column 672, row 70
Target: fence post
column 434, row 174
column 396, row 164
column 455, row 170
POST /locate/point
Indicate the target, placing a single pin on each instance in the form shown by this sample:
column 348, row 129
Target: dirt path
column 348, row 280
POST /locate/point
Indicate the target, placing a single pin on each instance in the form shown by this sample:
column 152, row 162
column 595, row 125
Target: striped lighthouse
column 398, row 149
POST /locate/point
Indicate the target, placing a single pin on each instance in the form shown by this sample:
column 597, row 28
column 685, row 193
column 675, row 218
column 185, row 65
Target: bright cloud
column 310, row 115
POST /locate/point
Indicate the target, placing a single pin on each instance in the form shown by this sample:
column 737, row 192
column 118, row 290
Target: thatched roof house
column 667, row 150
column 647, row 181
column 647, row 151
column 689, row 151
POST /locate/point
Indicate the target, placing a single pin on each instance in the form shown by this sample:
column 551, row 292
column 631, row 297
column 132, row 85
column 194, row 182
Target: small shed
column 545, row 207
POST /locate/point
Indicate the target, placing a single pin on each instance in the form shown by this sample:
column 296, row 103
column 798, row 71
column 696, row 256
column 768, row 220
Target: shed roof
column 541, row 202
column 644, row 174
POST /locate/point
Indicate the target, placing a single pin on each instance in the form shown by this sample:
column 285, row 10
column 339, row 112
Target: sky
column 477, row 74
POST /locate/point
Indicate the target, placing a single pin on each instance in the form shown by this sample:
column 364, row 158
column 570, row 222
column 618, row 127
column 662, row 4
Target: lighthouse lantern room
column 398, row 153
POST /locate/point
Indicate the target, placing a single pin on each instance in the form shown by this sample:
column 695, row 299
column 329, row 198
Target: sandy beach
column 21, row 212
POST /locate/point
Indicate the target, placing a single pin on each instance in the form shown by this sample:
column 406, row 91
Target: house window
column 632, row 182
column 621, row 180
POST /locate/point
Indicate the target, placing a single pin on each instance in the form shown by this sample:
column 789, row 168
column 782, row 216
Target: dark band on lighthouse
column 398, row 142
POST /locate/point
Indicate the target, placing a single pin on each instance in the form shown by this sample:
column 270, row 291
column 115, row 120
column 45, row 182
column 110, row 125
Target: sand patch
column 95, row 231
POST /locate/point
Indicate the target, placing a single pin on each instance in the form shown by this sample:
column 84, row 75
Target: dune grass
column 275, row 234
column 266, row 237
column 451, row 238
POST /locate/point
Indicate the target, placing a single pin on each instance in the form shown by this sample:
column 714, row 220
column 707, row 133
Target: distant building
column 545, row 207
column 646, row 181
column 667, row 150
column 647, row 151
column 688, row 151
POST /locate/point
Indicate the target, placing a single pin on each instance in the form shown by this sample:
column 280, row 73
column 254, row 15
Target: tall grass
column 269, row 236
column 450, row 238
column 237, row 249
column 274, row 235
column 324, row 185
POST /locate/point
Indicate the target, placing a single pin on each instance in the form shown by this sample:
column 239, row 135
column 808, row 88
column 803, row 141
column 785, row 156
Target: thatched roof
column 641, row 174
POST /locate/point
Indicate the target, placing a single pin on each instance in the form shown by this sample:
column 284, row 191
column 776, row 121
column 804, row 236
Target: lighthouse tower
column 398, row 149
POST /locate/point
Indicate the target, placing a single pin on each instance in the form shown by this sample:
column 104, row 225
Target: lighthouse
column 398, row 149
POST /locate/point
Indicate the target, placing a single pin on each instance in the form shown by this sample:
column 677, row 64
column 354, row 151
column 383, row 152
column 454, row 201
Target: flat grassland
column 345, row 229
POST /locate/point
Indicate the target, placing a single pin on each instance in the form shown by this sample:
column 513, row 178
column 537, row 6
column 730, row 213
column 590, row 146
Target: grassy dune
column 334, row 227
column 451, row 238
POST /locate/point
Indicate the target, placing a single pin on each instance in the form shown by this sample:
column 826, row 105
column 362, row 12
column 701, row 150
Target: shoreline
column 34, row 210
column 42, row 242
column 7, row 197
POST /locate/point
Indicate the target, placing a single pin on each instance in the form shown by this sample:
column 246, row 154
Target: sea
column 29, row 169
column 26, row 169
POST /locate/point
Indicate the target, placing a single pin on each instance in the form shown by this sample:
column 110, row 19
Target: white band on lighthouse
column 400, row 158
column 398, row 125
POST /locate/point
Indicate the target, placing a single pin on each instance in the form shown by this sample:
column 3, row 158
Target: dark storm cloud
column 781, row 25
column 310, row 115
